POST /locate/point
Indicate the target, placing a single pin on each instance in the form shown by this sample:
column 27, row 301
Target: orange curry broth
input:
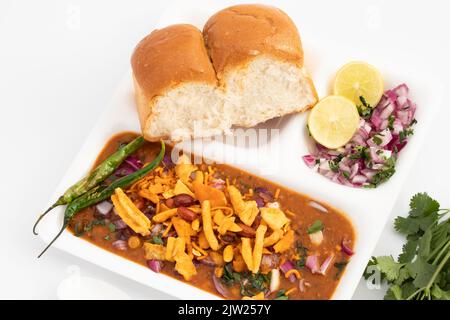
column 336, row 228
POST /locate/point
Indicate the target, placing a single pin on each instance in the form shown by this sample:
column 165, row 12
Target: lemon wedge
column 356, row 79
column 333, row 121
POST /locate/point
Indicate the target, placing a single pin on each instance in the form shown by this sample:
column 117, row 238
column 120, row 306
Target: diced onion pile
column 369, row 158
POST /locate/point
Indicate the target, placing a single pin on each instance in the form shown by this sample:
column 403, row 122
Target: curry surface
column 336, row 228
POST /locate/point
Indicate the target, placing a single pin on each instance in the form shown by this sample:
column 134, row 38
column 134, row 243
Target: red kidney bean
column 183, row 200
column 247, row 231
column 186, row 214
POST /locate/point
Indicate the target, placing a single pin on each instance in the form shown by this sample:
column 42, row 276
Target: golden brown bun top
column 236, row 34
column 170, row 56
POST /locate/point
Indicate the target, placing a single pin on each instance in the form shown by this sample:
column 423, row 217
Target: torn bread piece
column 246, row 68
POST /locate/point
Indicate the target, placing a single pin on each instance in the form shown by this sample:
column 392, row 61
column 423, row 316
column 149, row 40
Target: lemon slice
column 356, row 79
column 333, row 121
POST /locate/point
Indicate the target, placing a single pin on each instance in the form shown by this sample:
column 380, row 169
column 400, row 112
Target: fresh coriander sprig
column 422, row 270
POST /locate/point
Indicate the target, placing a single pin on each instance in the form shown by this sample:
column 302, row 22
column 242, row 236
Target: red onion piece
column 155, row 265
column 167, row 162
column 218, row 183
column 265, row 194
column 120, row 245
column 134, row 162
column 285, row 267
column 120, row 224
column 309, row 160
column 401, row 90
column 270, row 261
column 220, row 287
column 123, row 170
column 312, row 263
column 326, row 264
column 359, row 179
column 387, row 111
column 346, row 249
column 259, row 201
column 208, row 262
column 376, row 120
column 354, row 171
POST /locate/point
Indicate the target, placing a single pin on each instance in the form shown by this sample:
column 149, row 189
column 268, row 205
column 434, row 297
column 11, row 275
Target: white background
column 60, row 62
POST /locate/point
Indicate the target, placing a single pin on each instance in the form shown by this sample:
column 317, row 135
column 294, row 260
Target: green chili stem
column 56, row 204
column 54, row 239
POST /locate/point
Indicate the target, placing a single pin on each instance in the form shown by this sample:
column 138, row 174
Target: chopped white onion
column 273, row 205
column 316, row 238
column 104, row 207
column 274, row 280
column 317, row 206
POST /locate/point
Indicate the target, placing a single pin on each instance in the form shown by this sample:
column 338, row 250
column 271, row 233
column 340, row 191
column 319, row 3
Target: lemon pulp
column 356, row 79
column 333, row 121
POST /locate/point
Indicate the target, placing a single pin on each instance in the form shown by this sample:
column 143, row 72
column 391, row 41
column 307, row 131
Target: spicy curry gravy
column 299, row 208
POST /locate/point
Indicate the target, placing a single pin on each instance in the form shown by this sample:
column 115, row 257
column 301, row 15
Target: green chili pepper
column 101, row 193
column 103, row 171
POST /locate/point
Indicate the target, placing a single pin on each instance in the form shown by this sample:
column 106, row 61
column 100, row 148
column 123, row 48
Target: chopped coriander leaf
column 385, row 173
column 346, row 174
column 360, row 152
column 302, row 252
column 309, row 132
column 107, row 237
column 112, row 227
column 391, row 120
column 403, row 135
column 252, row 284
column 315, row 227
column 157, row 240
column 340, row 266
column 230, row 277
column 260, row 281
column 364, row 110
column 79, row 230
column 333, row 166
column 377, row 140
column 334, row 163
column 364, row 102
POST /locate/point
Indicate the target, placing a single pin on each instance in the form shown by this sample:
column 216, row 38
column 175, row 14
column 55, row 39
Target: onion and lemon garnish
column 360, row 129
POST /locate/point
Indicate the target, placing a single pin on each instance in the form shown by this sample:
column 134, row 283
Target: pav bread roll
column 258, row 57
column 175, row 85
column 246, row 68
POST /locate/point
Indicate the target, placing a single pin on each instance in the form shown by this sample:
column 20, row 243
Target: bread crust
column 236, row 35
column 231, row 40
column 166, row 58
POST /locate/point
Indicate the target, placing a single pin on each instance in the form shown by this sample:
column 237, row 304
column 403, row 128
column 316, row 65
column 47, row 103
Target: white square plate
column 329, row 41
